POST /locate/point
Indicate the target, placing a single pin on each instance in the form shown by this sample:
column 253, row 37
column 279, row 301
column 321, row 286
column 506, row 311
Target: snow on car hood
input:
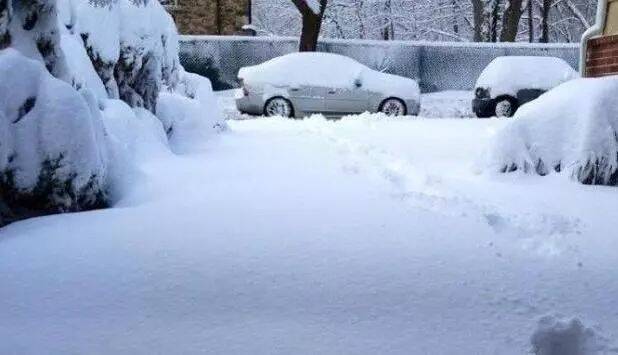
column 508, row 75
column 326, row 70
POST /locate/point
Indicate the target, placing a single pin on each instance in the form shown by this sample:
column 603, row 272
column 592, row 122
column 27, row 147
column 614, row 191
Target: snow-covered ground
column 359, row 236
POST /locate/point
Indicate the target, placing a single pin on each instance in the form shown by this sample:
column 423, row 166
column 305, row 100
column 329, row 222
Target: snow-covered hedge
column 53, row 155
column 179, row 109
column 81, row 82
column 572, row 129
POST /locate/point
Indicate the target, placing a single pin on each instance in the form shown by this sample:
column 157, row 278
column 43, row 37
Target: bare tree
column 312, row 13
column 433, row 20
column 530, row 22
column 483, row 11
column 510, row 21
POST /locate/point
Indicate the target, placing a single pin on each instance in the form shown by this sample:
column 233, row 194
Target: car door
column 346, row 100
column 351, row 98
column 307, row 99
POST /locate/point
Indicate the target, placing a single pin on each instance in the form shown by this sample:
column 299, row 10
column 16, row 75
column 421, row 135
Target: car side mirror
column 358, row 83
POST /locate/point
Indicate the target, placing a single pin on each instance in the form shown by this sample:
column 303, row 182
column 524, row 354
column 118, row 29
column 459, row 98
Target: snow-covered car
column 509, row 82
column 299, row 84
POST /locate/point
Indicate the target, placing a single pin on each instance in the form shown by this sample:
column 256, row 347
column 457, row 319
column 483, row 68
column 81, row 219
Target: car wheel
column 278, row 106
column 506, row 107
column 393, row 107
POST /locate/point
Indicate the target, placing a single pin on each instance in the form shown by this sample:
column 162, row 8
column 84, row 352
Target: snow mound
column 572, row 129
column 134, row 135
column 53, row 155
column 190, row 114
column 556, row 336
column 508, row 75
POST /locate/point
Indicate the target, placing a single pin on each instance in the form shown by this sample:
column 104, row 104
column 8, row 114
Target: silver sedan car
column 300, row 84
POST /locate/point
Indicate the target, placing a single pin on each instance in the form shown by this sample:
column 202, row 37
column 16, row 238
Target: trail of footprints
column 419, row 189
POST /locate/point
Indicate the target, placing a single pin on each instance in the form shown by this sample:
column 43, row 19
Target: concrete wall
column 437, row 66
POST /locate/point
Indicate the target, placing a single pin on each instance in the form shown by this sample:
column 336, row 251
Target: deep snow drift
column 572, row 129
column 361, row 236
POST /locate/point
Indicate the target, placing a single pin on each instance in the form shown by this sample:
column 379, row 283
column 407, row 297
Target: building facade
column 213, row 17
column 599, row 50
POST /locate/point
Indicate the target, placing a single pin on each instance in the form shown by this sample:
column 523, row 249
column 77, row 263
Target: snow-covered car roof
column 326, row 69
column 508, row 75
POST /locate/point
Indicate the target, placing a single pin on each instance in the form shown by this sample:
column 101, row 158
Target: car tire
column 506, row 106
column 393, row 107
column 279, row 106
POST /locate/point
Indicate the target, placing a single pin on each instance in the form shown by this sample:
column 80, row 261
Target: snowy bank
column 106, row 78
column 572, row 129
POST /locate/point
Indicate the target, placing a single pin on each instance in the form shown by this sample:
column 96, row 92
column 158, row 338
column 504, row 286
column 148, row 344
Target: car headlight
column 482, row 93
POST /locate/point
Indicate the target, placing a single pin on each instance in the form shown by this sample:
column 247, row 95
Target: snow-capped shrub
column 35, row 32
column 67, row 142
column 148, row 59
column 133, row 46
column 190, row 113
column 80, row 72
column 53, row 154
column 97, row 23
column 572, row 129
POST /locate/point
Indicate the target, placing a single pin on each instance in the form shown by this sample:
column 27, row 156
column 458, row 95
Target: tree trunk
column 312, row 24
column 510, row 23
column 486, row 15
column 249, row 12
column 219, row 16
column 310, row 33
column 495, row 14
column 388, row 32
column 545, row 21
column 530, row 22
column 478, row 9
column 456, row 8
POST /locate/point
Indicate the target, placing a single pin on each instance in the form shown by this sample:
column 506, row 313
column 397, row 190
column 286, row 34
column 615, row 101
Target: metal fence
column 437, row 66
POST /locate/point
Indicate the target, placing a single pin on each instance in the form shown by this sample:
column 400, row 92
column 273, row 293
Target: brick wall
column 199, row 16
column 602, row 56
